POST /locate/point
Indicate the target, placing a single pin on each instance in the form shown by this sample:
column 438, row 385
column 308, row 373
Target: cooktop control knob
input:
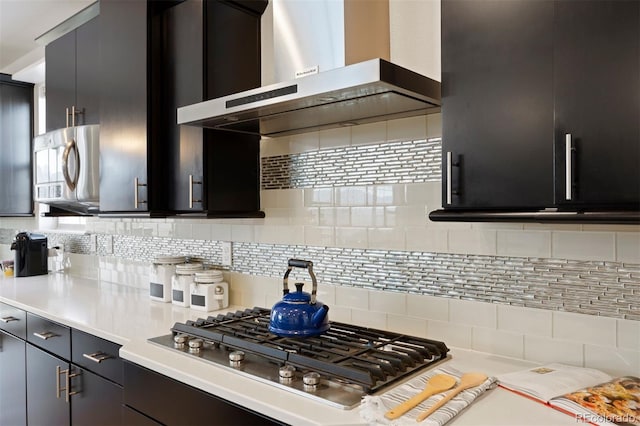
column 236, row 358
column 287, row 372
column 311, row 379
column 179, row 340
column 195, row 345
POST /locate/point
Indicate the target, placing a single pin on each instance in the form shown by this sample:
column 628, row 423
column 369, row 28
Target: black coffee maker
column 31, row 254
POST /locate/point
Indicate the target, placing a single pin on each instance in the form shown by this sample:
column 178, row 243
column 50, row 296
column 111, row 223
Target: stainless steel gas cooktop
column 338, row 367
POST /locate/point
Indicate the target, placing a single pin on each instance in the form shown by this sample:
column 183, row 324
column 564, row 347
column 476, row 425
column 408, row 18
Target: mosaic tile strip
column 389, row 162
column 610, row 289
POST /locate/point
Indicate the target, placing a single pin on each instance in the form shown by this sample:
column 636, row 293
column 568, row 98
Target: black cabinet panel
column 88, row 72
column 159, row 397
column 123, row 106
column 13, row 320
column 98, row 402
column 597, row 102
column 16, row 124
column 497, row 102
column 13, row 385
column 60, row 79
column 43, row 405
column 49, row 335
column 97, row 355
column 133, row 418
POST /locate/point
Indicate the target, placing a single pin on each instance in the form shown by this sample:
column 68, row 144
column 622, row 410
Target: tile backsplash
column 355, row 201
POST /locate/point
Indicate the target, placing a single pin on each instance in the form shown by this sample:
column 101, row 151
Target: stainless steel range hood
column 357, row 86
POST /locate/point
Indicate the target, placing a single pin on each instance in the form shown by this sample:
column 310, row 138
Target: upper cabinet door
column 597, row 103
column 497, row 104
column 60, row 79
column 88, row 72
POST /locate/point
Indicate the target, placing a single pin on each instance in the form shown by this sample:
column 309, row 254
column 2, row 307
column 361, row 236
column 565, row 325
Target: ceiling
column 21, row 22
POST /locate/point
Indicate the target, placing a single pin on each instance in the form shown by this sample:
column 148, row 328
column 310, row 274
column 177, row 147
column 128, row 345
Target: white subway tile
column 584, row 328
column 553, row 226
column 407, row 129
column 628, row 247
column 473, row 241
column 279, row 234
column 546, row 350
column 367, row 216
column 478, row 314
column 497, row 342
column 434, row 125
column 386, row 195
column 202, row 231
column 390, row 216
column 369, row 133
column 269, row 198
column 405, row 325
column 304, row 142
column 616, row 362
column 352, row 237
column 182, row 230
column 428, row 307
column 418, row 193
column 220, row 232
column 454, row 335
column 347, row 196
column 335, row 138
column 387, row 301
column 276, row 216
column 352, row 297
column 327, row 294
column 583, row 245
column 334, row 216
column 270, row 147
column 323, row 236
column 242, row 233
column 529, row 321
column 408, row 216
column 628, row 334
column 426, row 239
column 165, row 230
column 319, row 197
column 524, row 243
column 340, row 314
column 386, row 238
column 369, row 319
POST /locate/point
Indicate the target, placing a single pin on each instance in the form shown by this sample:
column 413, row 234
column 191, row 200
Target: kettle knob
column 299, row 286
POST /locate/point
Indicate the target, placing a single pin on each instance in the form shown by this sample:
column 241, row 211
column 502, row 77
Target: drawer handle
column 9, row 319
column 67, row 383
column 97, row 357
column 45, row 335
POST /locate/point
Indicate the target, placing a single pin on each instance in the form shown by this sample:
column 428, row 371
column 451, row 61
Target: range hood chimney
column 332, row 69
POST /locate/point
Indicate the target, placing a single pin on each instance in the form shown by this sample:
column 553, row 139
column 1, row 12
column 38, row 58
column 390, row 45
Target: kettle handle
column 305, row 264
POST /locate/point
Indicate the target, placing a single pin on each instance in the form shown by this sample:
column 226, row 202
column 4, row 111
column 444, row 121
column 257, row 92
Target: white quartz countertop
column 127, row 316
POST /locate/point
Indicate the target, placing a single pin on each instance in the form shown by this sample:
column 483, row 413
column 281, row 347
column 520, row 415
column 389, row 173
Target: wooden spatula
column 436, row 384
column 468, row 380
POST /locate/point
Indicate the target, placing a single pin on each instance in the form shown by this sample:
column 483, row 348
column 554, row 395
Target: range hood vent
column 347, row 76
column 365, row 92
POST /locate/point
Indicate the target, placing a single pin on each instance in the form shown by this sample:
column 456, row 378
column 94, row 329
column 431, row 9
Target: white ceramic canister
column 162, row 270
column 209, row 291
column 181, row 283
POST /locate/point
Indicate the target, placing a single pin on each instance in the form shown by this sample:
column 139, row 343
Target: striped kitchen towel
column 373, row 407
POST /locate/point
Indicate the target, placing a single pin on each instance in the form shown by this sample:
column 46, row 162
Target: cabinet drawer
column 49, row 335
column 13, row 320
column 97, row 355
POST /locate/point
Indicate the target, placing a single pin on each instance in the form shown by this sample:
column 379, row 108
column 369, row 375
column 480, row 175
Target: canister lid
column 194, row 259
column 188, row 268
column 169, row 260
column 208, row 276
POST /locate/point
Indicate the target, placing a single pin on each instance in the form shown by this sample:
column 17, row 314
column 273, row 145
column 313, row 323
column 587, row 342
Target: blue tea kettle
column 299, row 314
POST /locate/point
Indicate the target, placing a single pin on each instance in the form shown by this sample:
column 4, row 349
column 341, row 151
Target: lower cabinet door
column 13, row 389
column 46, row 397
column 97, row 401
column 131, row 417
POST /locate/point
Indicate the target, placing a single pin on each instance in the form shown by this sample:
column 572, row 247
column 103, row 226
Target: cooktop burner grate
column 365, row 357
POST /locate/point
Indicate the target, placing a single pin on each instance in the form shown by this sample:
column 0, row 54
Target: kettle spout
column 320, row 316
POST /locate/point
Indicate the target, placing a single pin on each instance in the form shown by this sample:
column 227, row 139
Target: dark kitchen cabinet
column 13, row 382
column 211, row 49
column 517, row 78
column 149, row 395
column 596, row 88
column 16, row 134
column 126, row 149
column 73, row 77
column 78, row 384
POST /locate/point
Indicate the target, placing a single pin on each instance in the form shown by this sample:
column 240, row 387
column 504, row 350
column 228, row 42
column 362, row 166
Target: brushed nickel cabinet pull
column 97, row 357
column 136, row 200
column 191, row 183
column 568, row 176
column 8, row 319
column 45, row 335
